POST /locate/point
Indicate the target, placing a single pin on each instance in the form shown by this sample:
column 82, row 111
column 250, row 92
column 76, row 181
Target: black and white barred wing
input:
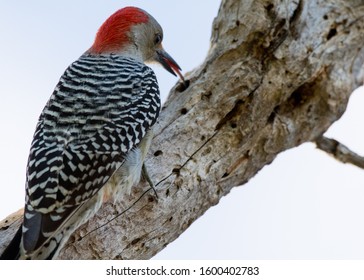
column 100, row 110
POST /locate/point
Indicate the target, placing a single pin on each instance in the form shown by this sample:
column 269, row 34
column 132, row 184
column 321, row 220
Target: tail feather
column 12, row 252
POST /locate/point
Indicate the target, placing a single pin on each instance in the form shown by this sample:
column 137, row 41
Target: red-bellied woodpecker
column 93, row 134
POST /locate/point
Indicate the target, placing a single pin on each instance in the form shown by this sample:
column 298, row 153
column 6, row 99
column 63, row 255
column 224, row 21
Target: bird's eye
column 158, row 39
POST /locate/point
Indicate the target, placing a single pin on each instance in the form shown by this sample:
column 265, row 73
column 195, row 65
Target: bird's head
column 133, row 32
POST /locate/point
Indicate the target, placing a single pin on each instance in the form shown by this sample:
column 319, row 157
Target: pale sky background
column 305, row 205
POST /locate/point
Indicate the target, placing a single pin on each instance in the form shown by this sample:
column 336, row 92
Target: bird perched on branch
column 93, row 134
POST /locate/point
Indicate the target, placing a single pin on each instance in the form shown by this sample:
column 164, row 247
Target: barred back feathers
column 101, row 109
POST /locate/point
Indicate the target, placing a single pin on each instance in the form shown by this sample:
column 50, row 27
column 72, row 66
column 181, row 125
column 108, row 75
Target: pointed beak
column 169, row 63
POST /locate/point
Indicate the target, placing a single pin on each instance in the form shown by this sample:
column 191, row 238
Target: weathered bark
column 278, row 74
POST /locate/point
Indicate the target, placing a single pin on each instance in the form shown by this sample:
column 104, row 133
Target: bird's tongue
column 169, row 64
column 176, row 69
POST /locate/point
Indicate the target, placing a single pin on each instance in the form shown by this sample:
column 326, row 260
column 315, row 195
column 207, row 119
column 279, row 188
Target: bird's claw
column 147, row 178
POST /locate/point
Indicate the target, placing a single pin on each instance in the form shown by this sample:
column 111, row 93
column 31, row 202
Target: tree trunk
column 278, row 74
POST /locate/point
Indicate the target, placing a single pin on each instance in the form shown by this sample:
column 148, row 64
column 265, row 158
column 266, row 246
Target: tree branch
column 339, row 151
column 277, row 74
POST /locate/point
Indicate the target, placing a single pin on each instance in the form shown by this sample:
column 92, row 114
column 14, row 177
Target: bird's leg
column 147, row 178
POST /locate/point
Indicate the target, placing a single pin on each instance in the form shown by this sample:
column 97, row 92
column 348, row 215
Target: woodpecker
column 92, row 137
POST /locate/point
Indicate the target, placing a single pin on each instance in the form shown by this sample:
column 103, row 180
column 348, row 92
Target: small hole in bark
column 183, row 111
column 269, row 7
column 158, row 153
column 170, row 219
column 233, row 125
column 225, row 175
column 167, row 192
column 176, row 170
column 135, row 241
column 325, row 17
column 183, row 86
column 297, row 98
column 271, row 117
column 237, row 22
column 332, row 33
column 207, row 95
column 203, row 137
